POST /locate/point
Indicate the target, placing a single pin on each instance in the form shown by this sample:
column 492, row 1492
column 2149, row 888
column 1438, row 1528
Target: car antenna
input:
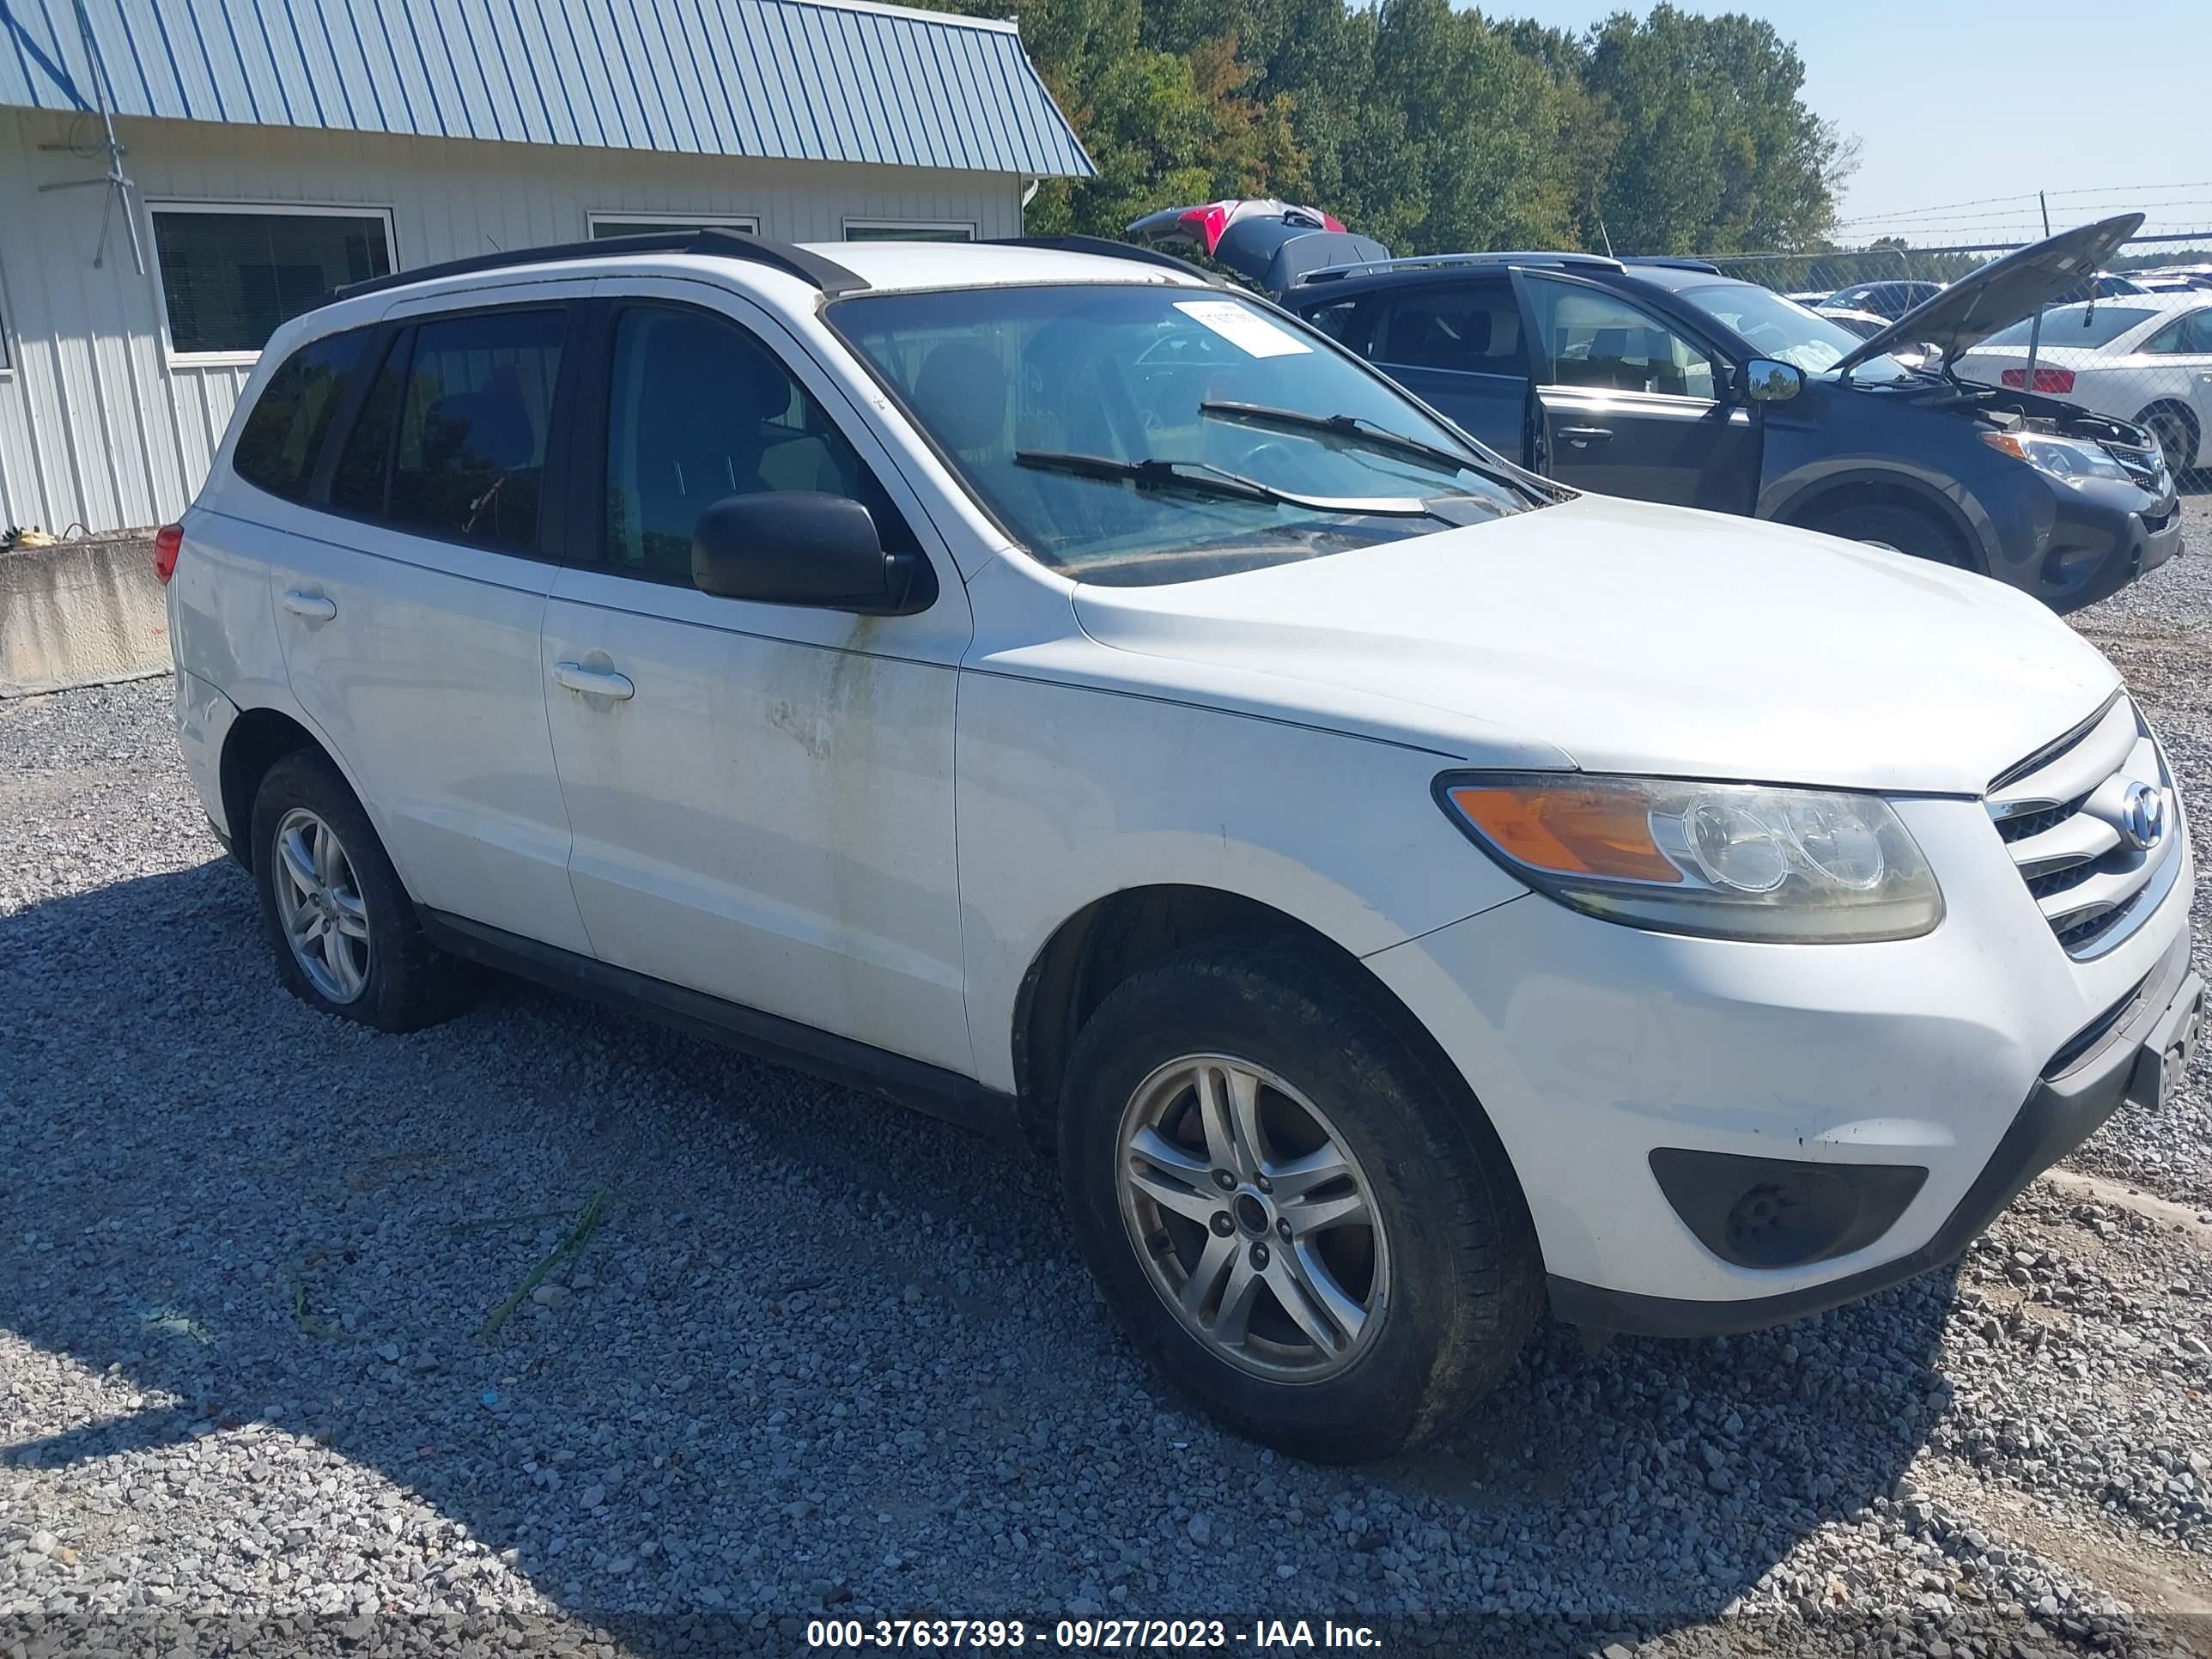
column 1607, row 236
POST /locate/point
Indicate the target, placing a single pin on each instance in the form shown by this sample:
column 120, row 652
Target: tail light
column 1204, row 225
column 2046, row 380
column 168, row 542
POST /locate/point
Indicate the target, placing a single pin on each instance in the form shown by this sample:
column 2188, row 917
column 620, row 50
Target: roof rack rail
column 1110, row 249
column 1672, row 262
column 1449, row 261
column 832, row 278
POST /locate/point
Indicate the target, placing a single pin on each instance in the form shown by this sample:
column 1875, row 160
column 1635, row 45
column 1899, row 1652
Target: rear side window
column 471, row 459
column 451, row 439
column 358, row 483
column 279, row 443
column 2183, row 335
column 2084, row 324
column 1470, row 327
column 1343, row 323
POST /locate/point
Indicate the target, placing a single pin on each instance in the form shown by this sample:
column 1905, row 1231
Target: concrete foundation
column 80, row 613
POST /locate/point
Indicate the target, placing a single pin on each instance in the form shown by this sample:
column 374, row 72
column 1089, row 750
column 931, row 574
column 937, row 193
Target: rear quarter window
column 283, row 437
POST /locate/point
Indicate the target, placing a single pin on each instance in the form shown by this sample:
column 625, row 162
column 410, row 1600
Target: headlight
column 1728, row 860
column 2070, row 459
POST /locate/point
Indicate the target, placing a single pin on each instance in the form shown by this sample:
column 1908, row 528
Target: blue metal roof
column 801, row 80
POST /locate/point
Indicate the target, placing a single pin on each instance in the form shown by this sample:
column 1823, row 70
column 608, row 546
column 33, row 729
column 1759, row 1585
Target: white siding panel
column 97, row 426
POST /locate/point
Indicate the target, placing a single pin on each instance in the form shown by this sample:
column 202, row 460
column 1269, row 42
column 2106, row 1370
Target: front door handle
column 594, row 682
column 1582, row 437
column 314, row 606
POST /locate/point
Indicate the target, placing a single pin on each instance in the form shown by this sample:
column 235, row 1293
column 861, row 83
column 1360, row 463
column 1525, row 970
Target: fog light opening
column 1783, row 1213
column 1780, row 1221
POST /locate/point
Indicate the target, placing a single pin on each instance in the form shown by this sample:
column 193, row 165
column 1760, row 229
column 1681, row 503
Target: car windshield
column 1786, row 331
column 2076, row 325
column 1134, row 435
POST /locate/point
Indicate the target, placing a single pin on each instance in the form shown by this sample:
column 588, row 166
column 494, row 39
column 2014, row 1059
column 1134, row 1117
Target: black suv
column 1666, row 380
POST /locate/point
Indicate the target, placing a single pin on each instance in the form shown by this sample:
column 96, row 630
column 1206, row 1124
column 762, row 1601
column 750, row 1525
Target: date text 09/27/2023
column 1095, row 1635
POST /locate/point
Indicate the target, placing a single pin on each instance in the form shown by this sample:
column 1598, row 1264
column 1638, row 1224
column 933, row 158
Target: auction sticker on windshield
column 1247, row 331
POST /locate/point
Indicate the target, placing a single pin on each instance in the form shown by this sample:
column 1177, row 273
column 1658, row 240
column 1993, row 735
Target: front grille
column 2034, row 823
column 2141, row 462
column 2060, row 813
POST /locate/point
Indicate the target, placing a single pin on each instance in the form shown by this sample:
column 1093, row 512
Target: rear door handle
column 1583, row 436
column 314, row 606
column 594, row 682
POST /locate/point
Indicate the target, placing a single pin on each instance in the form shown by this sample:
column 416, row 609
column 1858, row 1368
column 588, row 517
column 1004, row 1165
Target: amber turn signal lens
column 1568, row 830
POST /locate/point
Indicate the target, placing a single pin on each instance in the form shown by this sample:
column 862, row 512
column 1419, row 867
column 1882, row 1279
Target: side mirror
column 799, row 547
column 1765, row 381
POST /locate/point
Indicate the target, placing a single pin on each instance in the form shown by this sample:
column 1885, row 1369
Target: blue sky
column 2110, row 99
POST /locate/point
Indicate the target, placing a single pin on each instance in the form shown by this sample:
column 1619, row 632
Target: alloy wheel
column 1254, row 1221
column 319, row 901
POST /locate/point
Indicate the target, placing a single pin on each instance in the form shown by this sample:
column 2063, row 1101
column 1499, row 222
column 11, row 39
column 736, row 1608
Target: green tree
column 1432, row 129
column 1718, row 150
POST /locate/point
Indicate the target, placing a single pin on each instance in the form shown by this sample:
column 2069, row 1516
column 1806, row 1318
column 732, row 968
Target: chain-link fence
column 2133, row 341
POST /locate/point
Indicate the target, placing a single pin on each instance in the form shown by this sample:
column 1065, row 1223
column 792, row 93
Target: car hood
column 1635, row 638
column 2002, row 291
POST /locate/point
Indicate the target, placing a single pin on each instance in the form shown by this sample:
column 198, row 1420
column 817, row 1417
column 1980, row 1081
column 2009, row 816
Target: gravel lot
column 809, row 1353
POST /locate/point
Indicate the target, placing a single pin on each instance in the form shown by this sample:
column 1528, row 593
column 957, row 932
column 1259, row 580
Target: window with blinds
column 229, row 276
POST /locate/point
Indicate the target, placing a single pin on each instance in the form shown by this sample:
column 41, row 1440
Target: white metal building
column 275, row 151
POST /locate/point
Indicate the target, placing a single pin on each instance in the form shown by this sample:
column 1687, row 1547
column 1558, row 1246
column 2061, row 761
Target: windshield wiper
column 1204, row 478
column 1375, row 435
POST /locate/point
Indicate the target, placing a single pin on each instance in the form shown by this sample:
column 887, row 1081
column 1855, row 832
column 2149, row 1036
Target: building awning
column 793, row 80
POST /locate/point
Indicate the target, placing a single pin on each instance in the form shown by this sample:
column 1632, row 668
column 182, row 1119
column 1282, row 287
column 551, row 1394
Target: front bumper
column 1590, row 1046
column 2100, row 539
column 2134, row 1063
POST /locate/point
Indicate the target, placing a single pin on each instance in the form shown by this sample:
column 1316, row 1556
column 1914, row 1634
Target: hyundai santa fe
column 1042, row 685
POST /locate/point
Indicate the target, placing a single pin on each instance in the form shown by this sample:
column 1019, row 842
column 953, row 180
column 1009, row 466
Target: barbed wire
column 2075, row 214
column 2133, row 195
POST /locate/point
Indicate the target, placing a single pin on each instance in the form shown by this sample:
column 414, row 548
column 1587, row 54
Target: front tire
column 345, row 933
column 1897, row 527
column 1291, row 1213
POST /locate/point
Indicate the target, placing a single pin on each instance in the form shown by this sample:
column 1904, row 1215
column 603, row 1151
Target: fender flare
column 1789, row 501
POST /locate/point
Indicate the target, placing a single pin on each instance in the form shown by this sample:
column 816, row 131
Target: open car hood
column 2001, row 292
column 1273, row 243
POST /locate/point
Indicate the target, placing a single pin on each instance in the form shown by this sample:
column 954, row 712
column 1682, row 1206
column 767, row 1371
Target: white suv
column 1040, row 684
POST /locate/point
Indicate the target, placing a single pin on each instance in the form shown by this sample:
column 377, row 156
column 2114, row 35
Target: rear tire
column 2176, row 430
column 1899, row 527
column 345, row 933
column 1416, row 1321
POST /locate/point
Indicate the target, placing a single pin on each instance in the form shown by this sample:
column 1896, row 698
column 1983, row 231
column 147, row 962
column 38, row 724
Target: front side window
column 1588, row 337
column 1137, row 434
column 451, row 439
column 231, row 277
column 1472, row 326
column 699, row 409
column 278, row 445
column 1788, row 333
